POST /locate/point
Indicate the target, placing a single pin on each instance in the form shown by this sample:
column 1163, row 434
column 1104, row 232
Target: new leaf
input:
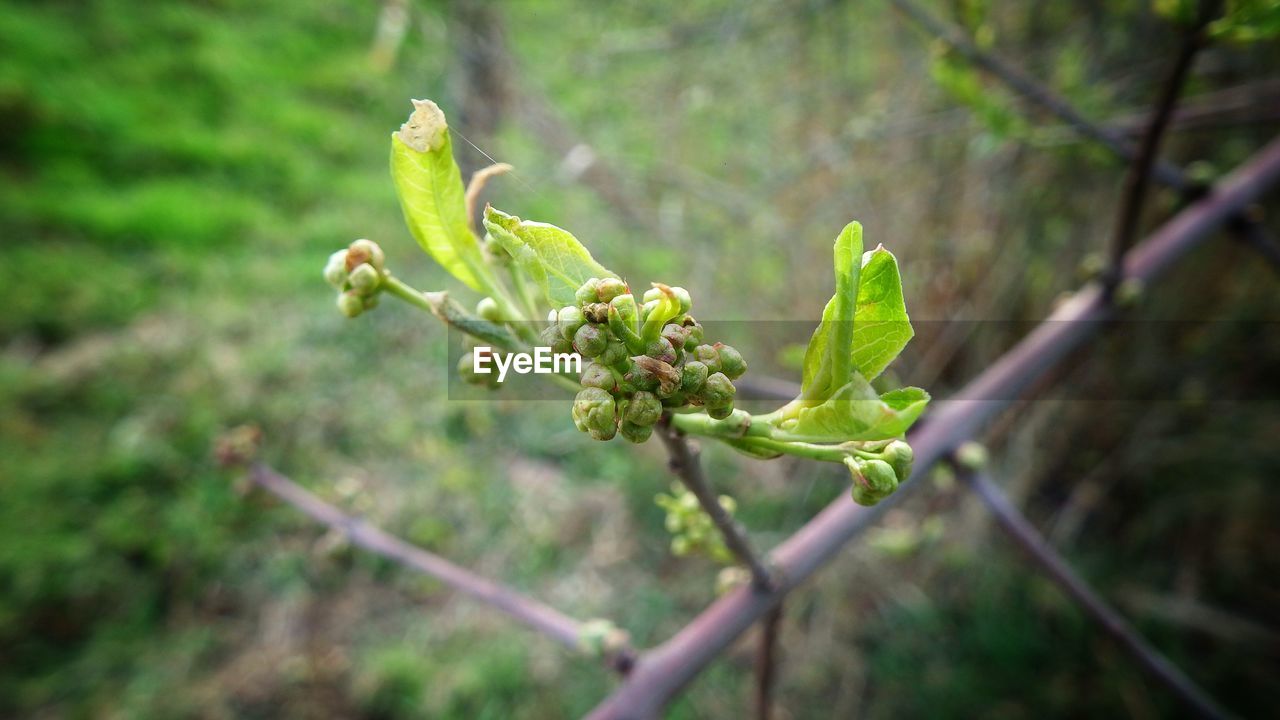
column 855, row 412
column 432, row 196
column 549, row 255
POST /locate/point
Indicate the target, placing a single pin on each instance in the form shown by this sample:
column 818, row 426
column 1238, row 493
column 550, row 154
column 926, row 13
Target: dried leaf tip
column 425, row 129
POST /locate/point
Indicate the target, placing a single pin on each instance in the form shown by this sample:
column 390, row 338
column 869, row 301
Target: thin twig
column 767, row 662
column 1138, row 176
column 542, row 618
column 665, row 669
column 1165, row 173
column 1021, row 531
column 687, row 466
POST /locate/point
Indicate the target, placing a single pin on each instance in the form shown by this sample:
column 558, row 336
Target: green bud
column 721, row 412
column 718, row 392
column 598, row 376
column 365, row 251
column 680, row 546
column 731, row 362
column 596, row 312
column 468, row 375
column 590, row 341
column 335, row 270
column 635, row 433
column 614, row 353
column 675, row 334
column 693, row 376
column 550, row 335
column 561, row 346
column 667, row 377
column 676, row 400
column 487, row 308
column 972, row 456
column 873, row 480
column 731, row 578
column 350, row 303
column 594, row 410
column 708, row 356
column 694, row 334
column 610, row 288
column 570, row 319
column 645, row 409
column 686, row 302
column 661, row 349
column 587, row 293
column 653, row 294
column 674, row 523
column 364, row 279
column 900, row 456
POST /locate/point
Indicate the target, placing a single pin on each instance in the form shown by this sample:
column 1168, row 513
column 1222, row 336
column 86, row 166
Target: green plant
column 647, row 360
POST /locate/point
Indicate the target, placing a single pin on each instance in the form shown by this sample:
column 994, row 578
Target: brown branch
column 767, row 662
column 541, row 618
column 661, row 672
column 1138, row 176
column 1021, row 531
column 687, row 467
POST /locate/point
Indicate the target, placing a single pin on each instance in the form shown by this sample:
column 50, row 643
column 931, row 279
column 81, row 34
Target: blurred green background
column 173, row 176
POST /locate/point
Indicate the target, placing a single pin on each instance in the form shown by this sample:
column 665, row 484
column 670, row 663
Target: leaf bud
column 900, row 456
column 365, row 251
column 651, row 295
column 570, row 319
column 335, row 270
column 693, row 333
column 693, row 376
column 721, row 412
column 364, row 279
column 598, row 376
column 596, row 312
column 590, row 341
column 594, row 410
column 873, row 480
column 709, row 356
column 350, row 303
column 972, row 456
column 718, row 392
column 686, row 302
column 487, row 308
column 635, row 433
column 680, row 546
column 587, row 293
column 610, row 288
column 675, row 334
column 661, row 349
column 626, row 307
column 614, row 353
column 645, row 409
column 731, row 362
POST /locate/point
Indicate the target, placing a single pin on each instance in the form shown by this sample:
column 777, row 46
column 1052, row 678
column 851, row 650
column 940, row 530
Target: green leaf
column 429, row 184
column 879, row 326
column 855, row 412
column 552, row 257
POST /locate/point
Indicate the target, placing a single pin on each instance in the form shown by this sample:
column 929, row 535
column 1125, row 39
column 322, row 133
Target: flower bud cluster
column 691, row 528
column 640, row 358
column 877, row 475
column 357, row 274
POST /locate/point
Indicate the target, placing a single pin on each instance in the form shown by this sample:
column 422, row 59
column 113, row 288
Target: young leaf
column 432, row 196
column 826, row 361
column 855, row 412
column 552, row 257
column 880, row 327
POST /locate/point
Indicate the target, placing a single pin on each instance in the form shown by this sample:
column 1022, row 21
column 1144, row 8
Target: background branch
column 541, row 618
column 1021, row 531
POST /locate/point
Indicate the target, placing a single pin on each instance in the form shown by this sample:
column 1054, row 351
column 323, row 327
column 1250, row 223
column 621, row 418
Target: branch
column 1029, row 89
column 541, row 618
column 664, row 670
column 767, row 662
column 1021, row 531
column 686, row 466
column 1139, row 175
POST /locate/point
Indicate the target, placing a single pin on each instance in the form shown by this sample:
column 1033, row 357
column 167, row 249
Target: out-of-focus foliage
column 172, row 175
